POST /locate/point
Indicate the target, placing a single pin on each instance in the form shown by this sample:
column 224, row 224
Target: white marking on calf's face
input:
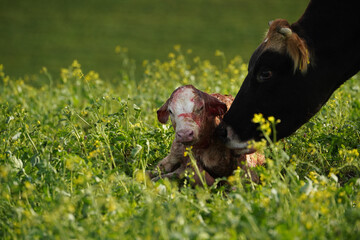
column 183, row 102
column 182, row 108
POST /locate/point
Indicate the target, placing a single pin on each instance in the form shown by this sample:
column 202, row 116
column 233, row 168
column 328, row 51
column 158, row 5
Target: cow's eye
column 170, row 112
column 264, row 75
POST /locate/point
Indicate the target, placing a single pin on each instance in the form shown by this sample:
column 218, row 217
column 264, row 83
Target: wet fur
column 211, row 154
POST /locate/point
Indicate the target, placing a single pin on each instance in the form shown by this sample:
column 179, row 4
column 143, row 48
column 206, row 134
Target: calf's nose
column 185, row 135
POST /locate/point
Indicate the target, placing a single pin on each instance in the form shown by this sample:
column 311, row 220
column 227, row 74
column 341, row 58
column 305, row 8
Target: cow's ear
column 294, row 45
column 214, row 106
column 163, row 112
column 298, row 51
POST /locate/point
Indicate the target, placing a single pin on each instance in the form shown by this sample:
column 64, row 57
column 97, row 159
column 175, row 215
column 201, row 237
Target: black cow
column 295, row 70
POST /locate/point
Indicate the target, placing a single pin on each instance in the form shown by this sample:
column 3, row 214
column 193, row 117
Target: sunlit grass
column 75, row 149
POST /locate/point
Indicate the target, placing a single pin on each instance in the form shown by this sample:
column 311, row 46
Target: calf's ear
column 163, row 112
column 214, row 106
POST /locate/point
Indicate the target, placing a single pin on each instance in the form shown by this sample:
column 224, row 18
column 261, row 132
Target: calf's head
column 192, row 113
column 276, row 85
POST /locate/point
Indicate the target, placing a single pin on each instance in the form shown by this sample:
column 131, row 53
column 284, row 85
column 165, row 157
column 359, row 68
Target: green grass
column 74, row 151
column 53, row 33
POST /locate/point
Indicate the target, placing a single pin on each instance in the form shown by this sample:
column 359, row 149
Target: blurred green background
column 54, row 33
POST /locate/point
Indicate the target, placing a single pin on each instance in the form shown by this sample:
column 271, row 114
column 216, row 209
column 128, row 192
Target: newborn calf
column 194, row 116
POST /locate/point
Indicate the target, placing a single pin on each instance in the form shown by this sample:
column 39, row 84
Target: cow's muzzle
column 227, row 135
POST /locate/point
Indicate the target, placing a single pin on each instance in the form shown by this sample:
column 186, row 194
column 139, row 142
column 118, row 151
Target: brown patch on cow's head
column 282, row 39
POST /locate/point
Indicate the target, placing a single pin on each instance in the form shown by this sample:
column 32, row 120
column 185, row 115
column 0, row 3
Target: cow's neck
column 331, row 29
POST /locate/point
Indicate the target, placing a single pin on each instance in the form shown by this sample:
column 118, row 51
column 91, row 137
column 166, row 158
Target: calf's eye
column 198, row 110
column 265, row 75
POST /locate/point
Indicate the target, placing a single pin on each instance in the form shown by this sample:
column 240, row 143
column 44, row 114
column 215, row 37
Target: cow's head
column 191, row 111
column 275, row 86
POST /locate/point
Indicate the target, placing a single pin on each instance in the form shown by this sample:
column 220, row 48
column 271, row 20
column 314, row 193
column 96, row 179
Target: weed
column 74, row 154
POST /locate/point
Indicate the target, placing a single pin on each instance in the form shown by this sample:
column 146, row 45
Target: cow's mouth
column 227, row 135
column 240, row 147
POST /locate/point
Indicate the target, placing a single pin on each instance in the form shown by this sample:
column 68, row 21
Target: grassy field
column 75, row 148
column 54, row 33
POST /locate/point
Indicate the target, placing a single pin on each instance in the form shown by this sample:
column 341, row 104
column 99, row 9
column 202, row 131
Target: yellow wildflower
column 117, row 49
column 43, row 70
column 219, row 53
column 231, row 179
column 187, row 150
column 271, row 119
column 6, row 79
column 265, row 202
column 145, row 62
column 111, row 204
column 75, row 64
column 64, row 73
column 258, row 118
column 177, row 47
column 308, row 225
